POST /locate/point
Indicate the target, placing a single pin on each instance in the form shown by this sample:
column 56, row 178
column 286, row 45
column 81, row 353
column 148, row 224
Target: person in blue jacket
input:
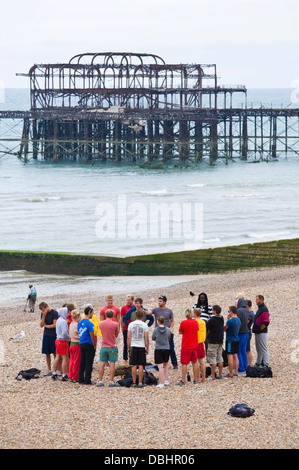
column 131, row 316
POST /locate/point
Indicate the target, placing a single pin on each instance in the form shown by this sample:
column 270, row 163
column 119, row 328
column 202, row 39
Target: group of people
column 72, row 339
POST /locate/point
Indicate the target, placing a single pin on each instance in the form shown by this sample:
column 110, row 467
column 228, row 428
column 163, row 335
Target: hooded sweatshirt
column 243, row 315
column 161, row 335
column 62, row 329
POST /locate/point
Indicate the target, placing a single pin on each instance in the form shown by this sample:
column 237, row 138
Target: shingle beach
column 43, row 414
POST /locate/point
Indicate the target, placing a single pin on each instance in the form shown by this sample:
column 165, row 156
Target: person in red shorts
column 189, row 330
column 62, row 345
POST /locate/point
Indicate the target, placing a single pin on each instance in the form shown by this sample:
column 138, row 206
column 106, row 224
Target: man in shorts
column 48, row 321
column 109, row 352
column 215, row 339
column 232, row 328
column 62, row 345
column 138, row 345
column 189, row 330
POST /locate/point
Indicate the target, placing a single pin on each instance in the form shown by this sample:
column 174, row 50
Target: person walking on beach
column 109, row 351
column 87, row 347
column 48, row 321
column 232, row 328
column 138, row 346
column 215, row 339
column 32, row 297
column 260, row 330
column 201, row 337
column 74, row 347
column 124, row 309
column 243, row 315
column 188, row 329
column 62, row 345
column 110, row 305
column 167, row 313
column 161, row 336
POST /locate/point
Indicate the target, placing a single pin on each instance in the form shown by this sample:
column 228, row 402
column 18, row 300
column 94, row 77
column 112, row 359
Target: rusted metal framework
column 125, row 80
column 126, row 106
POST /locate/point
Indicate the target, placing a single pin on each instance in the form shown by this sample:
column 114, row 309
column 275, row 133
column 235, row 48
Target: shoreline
column 190, row 417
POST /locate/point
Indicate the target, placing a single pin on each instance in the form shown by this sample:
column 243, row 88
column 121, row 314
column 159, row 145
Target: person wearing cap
column 32, row 297
column 167, row 313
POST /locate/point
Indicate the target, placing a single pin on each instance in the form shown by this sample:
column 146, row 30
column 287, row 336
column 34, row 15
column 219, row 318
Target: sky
column 253, row 42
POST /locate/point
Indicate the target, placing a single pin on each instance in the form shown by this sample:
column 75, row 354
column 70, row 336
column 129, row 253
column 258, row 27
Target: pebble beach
column 43, row 414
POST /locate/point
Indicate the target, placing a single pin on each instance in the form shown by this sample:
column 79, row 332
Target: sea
column 128, row 210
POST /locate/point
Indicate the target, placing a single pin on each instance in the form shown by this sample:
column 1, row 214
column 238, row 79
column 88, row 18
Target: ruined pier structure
column 135, row 107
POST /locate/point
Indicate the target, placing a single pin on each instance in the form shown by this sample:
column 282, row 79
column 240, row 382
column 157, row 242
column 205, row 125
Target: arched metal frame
column 123, row 79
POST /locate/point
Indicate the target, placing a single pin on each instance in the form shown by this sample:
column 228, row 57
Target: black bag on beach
column 241, row 410
column 257, row 371
column 28, row 374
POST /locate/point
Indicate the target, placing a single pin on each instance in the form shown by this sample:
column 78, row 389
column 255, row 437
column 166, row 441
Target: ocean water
column 107, row 209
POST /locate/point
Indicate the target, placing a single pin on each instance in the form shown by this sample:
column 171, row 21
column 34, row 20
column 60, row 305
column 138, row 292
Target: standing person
column 260, row 330
column 188, row 329
column 62, row 345
column 161, row 336
column 124, row 309
column 215, row 339
column 109, row 351
column 138, row 346
column 201, row 336
column 71, row 306
column 96, row 322
column 32, row 297
column 205, row 307
column 87, row 347
column 232, row 328
column 110, row 305
column 48, row 321
column 206, row 311
column 131, row 314
column 167, row 313
column 250, row 323
column 74, row 347
column 243, row 315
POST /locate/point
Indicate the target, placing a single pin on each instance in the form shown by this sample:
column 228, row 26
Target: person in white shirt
column 138, row 345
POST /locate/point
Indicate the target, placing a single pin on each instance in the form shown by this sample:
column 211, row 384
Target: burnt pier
column 135, row 107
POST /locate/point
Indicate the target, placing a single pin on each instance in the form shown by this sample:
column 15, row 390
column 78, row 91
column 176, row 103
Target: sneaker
column 196, row 382
column 113, row 384
column 47, row 373
column 211, row 378
column 160, row 386
column 65, row 378
column 181, row 383
column 134, row 385
column 141, row 385
column 166, row 382
column 55, row 377
column 101, row 384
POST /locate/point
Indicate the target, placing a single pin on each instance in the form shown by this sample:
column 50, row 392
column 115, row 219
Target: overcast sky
column 253, row 42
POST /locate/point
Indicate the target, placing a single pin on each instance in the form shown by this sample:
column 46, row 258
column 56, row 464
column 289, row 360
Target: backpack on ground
column 28, row 374
column 259, row 371
column 241, row 410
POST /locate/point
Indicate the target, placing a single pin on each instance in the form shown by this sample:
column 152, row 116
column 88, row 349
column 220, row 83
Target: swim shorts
column 62, row 347
column 188, row 355
column 109, row 354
